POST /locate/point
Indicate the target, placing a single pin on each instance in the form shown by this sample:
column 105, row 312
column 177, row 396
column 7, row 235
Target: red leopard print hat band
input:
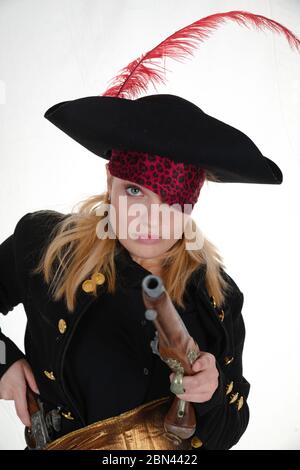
column 174, row 182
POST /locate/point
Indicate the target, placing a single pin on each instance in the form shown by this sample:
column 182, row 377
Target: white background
column 59, row 50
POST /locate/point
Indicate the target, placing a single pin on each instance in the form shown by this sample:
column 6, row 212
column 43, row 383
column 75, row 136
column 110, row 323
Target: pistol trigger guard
column 177, row 384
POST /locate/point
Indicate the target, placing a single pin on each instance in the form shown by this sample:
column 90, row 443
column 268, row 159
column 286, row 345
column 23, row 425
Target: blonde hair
column 75, row 252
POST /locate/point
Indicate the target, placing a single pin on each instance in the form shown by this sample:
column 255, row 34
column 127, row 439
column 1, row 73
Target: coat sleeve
column 221, row 421
column 17, row 253
column 11, row 292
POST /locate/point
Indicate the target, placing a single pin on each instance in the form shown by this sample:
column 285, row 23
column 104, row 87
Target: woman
column 87, row 344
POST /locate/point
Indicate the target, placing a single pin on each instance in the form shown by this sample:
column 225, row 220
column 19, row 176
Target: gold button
column 228, row 360
column 213, row 301
column 221, row 315
column 62, row 326
column 233, row 397
column 49, row 375
column 196, row 442
column 67, row 415
column 229, row 388
column 240, row 403
column 98, row 278
column 88, row 285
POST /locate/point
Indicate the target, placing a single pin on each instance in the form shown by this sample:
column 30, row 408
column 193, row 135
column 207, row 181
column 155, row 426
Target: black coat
column 221, row 421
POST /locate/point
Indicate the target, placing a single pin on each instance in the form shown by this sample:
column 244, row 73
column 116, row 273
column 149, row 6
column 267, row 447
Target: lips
column 148, row 237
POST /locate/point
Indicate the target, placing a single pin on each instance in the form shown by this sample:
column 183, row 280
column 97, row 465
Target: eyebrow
column 133, row 184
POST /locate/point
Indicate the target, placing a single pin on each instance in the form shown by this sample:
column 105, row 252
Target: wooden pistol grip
column 33, row 407
column 183, row 427
column 32, row 403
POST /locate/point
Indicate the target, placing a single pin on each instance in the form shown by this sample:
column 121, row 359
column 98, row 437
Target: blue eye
column 132, row 187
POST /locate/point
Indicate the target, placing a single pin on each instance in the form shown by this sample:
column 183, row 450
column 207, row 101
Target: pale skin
column 13, row 387
column 199, row 387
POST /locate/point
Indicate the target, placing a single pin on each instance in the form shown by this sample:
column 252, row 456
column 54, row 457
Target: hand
column 201, row 386
column 13, row 386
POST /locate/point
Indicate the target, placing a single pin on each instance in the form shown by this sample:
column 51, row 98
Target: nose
column 148, row 218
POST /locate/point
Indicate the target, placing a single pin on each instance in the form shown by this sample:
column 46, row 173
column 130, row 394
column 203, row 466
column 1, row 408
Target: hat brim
column 167, row 125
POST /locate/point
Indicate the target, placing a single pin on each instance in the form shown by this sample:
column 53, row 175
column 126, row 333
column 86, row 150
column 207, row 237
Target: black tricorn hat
column 166, row 125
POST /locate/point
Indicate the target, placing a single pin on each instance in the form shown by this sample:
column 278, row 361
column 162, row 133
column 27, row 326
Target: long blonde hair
column 74, row 252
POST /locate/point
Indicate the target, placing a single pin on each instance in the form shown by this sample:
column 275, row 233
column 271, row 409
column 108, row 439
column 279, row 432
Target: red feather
column 133, row 79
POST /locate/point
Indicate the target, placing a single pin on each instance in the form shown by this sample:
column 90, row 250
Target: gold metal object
column 221, row 315
column 67, row 415
column 213, row 301
column 98, row 278
column 229, row 388
column 240, row 402
column 228, row 360
column 233, row 397
column 62, row 326
column 196, row 442
column 87, row 286
column 49, row 375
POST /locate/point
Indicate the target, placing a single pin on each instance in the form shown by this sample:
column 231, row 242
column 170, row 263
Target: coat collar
column 128, row 270
column 133, row 273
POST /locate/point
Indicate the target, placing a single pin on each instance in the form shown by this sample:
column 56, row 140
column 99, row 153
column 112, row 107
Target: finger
column 30, row 379
column 196, row 398
column 197, row 383
column 203, row 362
column 21, row 407
column 195, row 390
